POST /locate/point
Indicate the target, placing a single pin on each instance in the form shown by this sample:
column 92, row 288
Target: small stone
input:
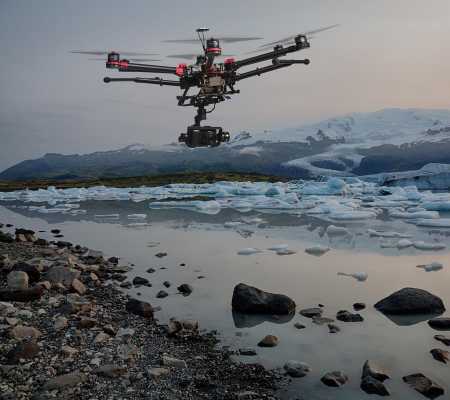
column 247, row 351
column 322, row 320
column 141, row 281
column 440, row 323
column 161, row 294
column 297, row 369
column 113, row 260
column 359, row 306
column 173, row 362
column 185, row 289
column 125, row 332
column 109, row 329
column 156, row 373
column 298, row 325
column 68, row 351
column 424, row 385
column 78, row 286
column 11, row 321
column 334, row 379
column 443, row 339
column 128, row 351
column 374, row 371
column 333, row 328
column 151, row 270
column 140, row 308
column 17, row 280
column 22, row 295
column 45, row 284
column 56, row 231
column 440, row 355
column 311, row 312
column 60, row 323
column 101, row 338
column 62, row 274
column 33, row 271
column 347, row 316
column 21, row 332
column 372, row 386
column 160, row 254
column 86, row 323
column 126, row 285
column 167, row 284
column 23, row 350
column 268, row 341
column 110, row 371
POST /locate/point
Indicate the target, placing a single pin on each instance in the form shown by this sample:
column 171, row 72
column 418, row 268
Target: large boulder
column 22, row 295
column 424, row 385
column 140, row 308
column 248, row 299
column 440, row 323
column 62, row 274
column 411, row 301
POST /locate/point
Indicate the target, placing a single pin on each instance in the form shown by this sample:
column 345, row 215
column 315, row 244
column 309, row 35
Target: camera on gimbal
column 204, row 136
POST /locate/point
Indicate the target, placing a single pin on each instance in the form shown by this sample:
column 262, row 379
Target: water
column 209, row 249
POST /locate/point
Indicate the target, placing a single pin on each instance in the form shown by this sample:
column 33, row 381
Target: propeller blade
column 224, row 39
column 104, row 53
column 130, row 59
column 291, row 37
column 192, row 56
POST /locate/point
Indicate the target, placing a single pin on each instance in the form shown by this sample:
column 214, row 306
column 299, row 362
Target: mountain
column 357, row 144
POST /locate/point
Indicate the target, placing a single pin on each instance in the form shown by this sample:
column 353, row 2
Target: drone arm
column 277, row 64
column 126, row 66
column 301, row 43
column 155, row 81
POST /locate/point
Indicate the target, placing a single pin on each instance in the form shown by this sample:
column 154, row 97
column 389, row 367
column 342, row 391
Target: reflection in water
column 242, row 320
column 408, row 320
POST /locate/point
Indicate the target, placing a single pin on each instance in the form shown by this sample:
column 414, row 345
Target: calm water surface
column 209, row 249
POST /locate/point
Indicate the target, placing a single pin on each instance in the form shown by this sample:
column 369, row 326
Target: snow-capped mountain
column 355, row 144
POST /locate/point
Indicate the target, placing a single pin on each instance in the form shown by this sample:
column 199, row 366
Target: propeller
column 130, row 59
column 224, row 39
column 191, row 56
column 291, row 38
column 105, row 52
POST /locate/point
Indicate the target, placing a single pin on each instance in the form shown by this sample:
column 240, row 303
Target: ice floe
column 337, row 231
column 434, row 266
column 248, row 251
column 420, row 245
column 434, row 223
column 359, row 276
column 317, row 250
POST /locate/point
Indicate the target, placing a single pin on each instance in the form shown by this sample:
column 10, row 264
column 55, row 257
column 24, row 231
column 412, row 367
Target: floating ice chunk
column 232, row 224
column 437, row 205
column 415, row 215
column 337, row 231
column 207, row 207
column 137, row 216
column 374, row 233
column 279, row 247
column 404, row 243
column 248, row 251
column 275, row 191
column 352, row 215
column 285, row 252
column 106, row 215
column 388, row 244
column 434, row 223
column 253, row 221
column 434, row 266
column 420, row 245
column 359, row 276
column 317, row 250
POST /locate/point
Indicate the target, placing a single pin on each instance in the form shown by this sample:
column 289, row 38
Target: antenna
column 201, row 32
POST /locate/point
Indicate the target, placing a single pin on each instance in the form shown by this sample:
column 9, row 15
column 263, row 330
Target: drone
column 214, row 82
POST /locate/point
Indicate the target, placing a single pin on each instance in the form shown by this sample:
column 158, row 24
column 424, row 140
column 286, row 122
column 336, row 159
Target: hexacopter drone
column 216, row 81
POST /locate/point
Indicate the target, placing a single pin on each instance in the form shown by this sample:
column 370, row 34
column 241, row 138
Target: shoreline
column 80, row 337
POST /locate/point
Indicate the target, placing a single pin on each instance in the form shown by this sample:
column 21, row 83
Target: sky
column 385, row 53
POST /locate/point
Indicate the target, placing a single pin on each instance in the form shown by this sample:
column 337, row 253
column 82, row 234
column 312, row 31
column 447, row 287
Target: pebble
column 269, row 341
column 173, row 362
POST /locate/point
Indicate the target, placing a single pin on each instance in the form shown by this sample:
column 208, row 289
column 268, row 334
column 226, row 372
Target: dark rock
column 62, row 274
column 411, row 301
column 86, row 323
column 64, row 381
column 185, row 289
column 374, row 371
column 55, row 231
column 296, row 369
column 140, row 308
column 372, row 386
column 6, row 238
column 141, row 281
column 167, row 284
column 333, row 328
column 110, row 371
column 359, row 306
column 347, row 316
column 322, row 320
column 61, row 244
column 161, row 294
column 440, row 323
column 334, row 379
column 126, row 285
column 34, row 275
column 443, row 339
column 23, row 350
column 298, row 325
column 113, row 260
column 23, row 295
column 59, row 236
column 440, row 355
column 151, row 270
column 119, row 277
column 311, row 312
column 268, row 341
column 424, row 385
column 160, row 255
column 248, row 299
column 41, row 242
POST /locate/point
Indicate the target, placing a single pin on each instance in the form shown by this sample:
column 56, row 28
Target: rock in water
column 374, row 371
column 372, row 386
column 185, row 289
column 140, row 281
column 411, row 301
column 334, row 379
column 311, row 312
column 17, row 280
column 424, row 385
column 347, row 316
column 443, row 339
column 440, row 355
column 296, row 369
column 268, row 341
column 139, row 308
column 248, row 299
column 440, row 323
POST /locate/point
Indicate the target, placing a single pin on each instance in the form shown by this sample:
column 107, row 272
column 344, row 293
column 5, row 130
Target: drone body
column 215, row 81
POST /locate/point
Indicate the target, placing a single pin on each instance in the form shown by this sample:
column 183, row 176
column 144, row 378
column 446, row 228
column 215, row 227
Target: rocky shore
column 69, row 332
